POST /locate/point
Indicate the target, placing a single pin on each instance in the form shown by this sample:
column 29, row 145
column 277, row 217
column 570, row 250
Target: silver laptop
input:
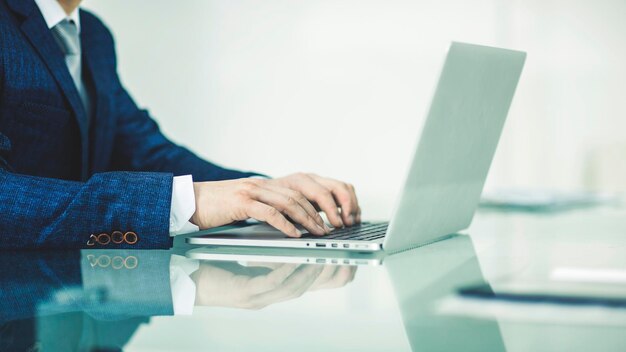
column 448, row 171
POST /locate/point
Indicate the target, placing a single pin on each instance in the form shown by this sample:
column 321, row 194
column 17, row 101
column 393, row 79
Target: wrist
column 196, row 192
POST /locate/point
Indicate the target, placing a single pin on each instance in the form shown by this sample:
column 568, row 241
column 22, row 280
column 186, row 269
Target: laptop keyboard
column 367, row 231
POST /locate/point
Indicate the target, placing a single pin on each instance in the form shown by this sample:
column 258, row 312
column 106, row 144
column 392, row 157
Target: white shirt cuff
column 183, row 206
column 183, row 287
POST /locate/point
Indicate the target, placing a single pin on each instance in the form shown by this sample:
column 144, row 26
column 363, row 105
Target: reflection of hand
column 334, row 276
column 265, row 284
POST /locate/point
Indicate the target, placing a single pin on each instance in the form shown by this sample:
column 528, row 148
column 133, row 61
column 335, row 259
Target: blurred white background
column 340, row 87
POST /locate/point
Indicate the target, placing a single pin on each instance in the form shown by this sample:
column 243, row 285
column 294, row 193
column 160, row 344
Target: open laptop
column 449, row 167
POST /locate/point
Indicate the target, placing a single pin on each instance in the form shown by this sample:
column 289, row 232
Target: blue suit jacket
column 64, row 176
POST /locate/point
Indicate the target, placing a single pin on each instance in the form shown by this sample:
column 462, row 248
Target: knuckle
column 305, row 175
column 294, row 294
column 272, row 212
column 274, row 283
column 248, row 203
column 343, row 276
column 250, row 305
column 249, row 186
column 242, row 196
column 326, row 194
column 291, row 202
column 299, row 197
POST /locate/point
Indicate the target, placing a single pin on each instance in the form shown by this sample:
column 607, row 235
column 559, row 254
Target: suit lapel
column 100, row 122
column 36, row 31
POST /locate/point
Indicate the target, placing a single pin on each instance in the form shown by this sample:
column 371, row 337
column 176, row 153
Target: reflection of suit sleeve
column 28, row 278
column 93, row 298
column 80, row 332
column 132, row 283
column 107, row 284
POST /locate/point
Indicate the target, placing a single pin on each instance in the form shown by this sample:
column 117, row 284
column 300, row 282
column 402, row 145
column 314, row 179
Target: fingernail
column 298, row 233
column 328, row 229
column 351, row 219
column 322, row 230
column 339, row 219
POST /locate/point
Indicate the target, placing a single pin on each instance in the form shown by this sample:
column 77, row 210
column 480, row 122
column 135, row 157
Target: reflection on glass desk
column 253, row 301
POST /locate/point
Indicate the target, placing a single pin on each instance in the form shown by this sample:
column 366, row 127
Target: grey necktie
column 66, row 34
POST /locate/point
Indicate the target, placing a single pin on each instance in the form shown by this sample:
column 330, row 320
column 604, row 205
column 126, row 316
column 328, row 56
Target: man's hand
column 262, row 284
column 280, row 202
column 335, row 198
column 223, row 202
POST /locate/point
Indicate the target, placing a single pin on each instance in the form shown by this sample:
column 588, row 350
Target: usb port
column 320, row 245
column 346, row 246
column 334, row 245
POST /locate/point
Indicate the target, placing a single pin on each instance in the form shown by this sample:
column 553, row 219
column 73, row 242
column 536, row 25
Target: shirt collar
column 53, row 13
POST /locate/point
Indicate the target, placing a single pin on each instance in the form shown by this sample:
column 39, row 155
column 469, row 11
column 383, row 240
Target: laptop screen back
column 457, row 144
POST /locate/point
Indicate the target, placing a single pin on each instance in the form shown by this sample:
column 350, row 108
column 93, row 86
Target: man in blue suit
column 83, row 167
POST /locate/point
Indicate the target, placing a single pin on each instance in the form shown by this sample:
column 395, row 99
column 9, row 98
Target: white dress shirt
column 183, row 203
column 53, row 13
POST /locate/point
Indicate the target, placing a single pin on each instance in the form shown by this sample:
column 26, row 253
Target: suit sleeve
column 40, row 212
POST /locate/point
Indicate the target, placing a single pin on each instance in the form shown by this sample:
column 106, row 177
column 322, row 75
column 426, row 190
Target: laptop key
column 362, row 232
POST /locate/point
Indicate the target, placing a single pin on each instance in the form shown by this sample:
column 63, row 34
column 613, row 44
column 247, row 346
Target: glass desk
column 107, row 300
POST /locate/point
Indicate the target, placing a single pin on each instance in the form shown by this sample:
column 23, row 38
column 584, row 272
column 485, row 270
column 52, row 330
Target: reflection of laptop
column 244, row 255
column 449, row 264
column 449, row 167
column 410, row 323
